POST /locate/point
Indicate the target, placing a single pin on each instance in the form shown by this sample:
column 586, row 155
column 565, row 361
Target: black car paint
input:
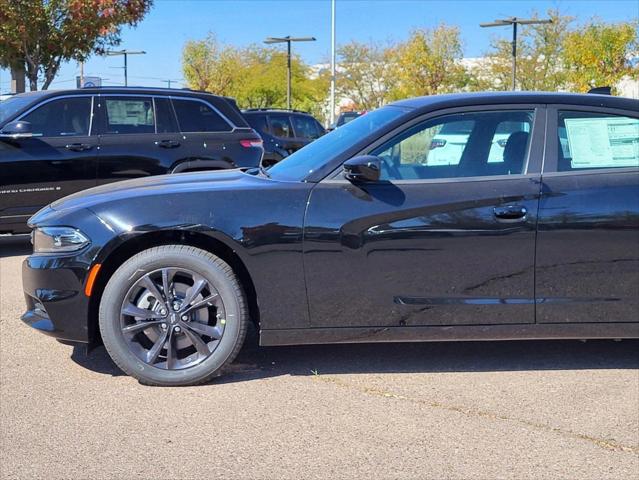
column 39, row 170
column 334, row 261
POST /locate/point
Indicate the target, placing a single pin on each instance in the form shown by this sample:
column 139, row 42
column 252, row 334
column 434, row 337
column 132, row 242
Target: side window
column 281, row 126
column 502, row 134
column 126, row 115
column 60, row 118
column 258, row 122
column 305, row 127
column 459, row 145
column 195, row 116
column 166, row 122
column 596, row 140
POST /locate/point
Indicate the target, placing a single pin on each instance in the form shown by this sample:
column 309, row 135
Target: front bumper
column 54, row 293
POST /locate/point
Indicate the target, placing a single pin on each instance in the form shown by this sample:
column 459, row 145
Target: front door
column 447, row 237
column 58, row 160
column 588, row 241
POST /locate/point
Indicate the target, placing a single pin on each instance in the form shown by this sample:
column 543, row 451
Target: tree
column 211, row 66
column 254, row 75
column 429, row 62
column 539, row 58
column 600, row 55
column 41, row 34
column 366, row 74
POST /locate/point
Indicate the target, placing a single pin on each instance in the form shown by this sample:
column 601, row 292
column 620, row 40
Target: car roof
column 226, row 105
column 482, row 98
column 107, row 90
column 253, row 111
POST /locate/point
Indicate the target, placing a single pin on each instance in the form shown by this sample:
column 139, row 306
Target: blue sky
column 171, row 23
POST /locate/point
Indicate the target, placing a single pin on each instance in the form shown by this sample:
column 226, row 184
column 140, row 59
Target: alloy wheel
column 172, row 318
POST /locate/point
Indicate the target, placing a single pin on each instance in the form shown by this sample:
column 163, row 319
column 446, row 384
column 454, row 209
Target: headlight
column 58, row 239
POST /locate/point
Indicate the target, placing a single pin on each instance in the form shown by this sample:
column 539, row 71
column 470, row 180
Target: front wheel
column 173, row 315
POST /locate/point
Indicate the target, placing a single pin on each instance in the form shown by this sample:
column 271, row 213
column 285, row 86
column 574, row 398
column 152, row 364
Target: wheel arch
column 137, row 244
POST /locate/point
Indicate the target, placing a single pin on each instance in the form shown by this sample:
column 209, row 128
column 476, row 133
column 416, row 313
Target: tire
column 153, row 336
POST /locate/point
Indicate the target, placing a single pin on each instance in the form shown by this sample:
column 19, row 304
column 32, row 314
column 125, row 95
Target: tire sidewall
column 136, row 267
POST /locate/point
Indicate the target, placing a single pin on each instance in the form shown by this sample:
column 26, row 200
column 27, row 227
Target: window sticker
column 603, row 142
column 130, row 112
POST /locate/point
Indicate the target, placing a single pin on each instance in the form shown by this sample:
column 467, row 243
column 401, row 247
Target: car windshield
column 12, row 105
column 316, row 154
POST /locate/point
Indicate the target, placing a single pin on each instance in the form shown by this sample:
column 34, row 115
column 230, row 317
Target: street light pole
column 332, row 62
column 125, row 53
column 514, row 21
column 288, row 40
column 169, row 81
column 288, row 74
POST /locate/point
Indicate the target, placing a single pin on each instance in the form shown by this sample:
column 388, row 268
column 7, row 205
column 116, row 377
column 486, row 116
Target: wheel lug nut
column 163, row 326
column 185, row 318
column 162, row 312
column 177, row 329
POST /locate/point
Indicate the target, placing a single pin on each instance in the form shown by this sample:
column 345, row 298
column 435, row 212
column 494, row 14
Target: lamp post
column 514, row 21
column 332, row 62
column 125, row 53
column 169, row 81
column 288, row 40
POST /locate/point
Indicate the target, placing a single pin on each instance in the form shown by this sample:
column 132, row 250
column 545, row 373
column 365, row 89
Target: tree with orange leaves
column 36, row 36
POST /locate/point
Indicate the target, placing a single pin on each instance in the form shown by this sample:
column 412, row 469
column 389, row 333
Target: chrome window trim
column 155, row 117
column 61, row 97
column 91, row 115
column 212, row 107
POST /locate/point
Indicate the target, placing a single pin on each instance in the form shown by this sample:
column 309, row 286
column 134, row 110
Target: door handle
column 78, row 147
column 510, row 212
column 167, row 144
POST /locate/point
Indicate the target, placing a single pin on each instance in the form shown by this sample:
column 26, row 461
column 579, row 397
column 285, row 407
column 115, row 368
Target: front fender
column 261, row 225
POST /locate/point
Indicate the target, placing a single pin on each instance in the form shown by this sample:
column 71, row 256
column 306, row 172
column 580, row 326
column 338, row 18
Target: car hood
column 159, row 184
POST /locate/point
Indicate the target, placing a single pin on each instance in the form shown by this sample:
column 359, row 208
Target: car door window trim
column 536, row 147
column 105, row 117
column 550, row 167
column 208, row 104
column 61, row 97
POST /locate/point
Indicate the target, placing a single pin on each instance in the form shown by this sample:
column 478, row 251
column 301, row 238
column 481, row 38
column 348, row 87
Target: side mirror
column 365, row 168
column 17, row 129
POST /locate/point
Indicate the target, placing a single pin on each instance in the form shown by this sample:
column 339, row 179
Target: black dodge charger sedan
column 457, row 217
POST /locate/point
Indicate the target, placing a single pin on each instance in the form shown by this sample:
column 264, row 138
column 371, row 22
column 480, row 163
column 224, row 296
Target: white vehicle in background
column 447, row 146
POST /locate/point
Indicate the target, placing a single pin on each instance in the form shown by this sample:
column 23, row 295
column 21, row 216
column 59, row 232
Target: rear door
column 588, row 239
column 60, row 159
column 211, row 140
column 133, row 141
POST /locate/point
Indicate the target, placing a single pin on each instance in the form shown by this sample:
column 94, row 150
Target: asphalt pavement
column 487, row 410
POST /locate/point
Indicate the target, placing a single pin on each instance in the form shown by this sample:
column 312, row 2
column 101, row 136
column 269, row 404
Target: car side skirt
column 576, row 331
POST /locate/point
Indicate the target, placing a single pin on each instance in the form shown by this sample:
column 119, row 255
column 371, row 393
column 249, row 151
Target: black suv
column 287, row 130
column 53, row 144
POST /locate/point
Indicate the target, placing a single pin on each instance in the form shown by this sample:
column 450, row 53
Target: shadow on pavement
column 11, row 246
column 256, row 362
